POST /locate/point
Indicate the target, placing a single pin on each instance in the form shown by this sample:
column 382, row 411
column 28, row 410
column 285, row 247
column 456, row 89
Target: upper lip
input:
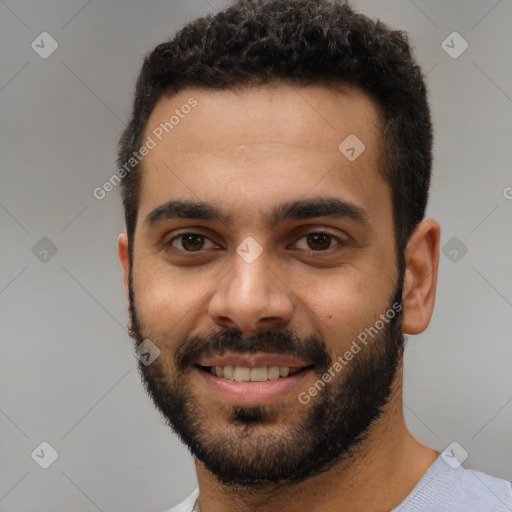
column 257, row 360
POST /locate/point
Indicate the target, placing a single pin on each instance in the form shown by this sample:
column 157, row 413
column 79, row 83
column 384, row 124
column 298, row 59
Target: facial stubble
column 252, row 448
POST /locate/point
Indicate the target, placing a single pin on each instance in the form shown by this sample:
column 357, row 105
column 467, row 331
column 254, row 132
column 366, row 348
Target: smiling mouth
column 259, row 374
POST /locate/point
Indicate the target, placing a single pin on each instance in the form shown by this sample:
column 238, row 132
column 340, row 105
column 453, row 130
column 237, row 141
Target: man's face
column 271, row 283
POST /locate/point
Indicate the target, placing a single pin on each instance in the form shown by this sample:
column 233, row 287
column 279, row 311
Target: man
column 275, row 177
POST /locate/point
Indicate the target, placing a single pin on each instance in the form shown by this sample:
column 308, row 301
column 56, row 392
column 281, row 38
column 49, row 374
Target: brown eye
column 319, row 241
column 190, row 242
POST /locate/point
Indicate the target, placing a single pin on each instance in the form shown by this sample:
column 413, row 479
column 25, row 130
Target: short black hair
column 298, row 43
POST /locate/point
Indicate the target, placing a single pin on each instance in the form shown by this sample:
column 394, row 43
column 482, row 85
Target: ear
column 421, row 263
column 124, row 259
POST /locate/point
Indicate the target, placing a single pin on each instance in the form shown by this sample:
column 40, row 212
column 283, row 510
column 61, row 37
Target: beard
column 252, row 448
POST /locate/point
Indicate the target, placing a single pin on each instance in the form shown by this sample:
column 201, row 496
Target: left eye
column 190, row 242
column 319, row 241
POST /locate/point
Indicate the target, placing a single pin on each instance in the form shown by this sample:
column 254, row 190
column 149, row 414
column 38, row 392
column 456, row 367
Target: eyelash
column 168, row 244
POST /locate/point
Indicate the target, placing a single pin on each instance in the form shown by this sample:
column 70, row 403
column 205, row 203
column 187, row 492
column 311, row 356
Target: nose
column 251, row 297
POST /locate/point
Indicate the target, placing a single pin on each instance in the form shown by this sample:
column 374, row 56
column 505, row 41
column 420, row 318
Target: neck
column 377, row 477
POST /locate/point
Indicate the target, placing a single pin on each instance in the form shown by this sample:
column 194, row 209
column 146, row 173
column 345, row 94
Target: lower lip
column 247, row 391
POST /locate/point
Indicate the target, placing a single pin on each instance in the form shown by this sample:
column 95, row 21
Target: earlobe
column 124, row 259
column 422, row 261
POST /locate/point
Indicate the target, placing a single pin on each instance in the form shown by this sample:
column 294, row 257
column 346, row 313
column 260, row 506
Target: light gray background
column 67, row 370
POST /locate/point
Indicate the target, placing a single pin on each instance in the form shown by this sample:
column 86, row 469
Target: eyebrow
column 291, row 210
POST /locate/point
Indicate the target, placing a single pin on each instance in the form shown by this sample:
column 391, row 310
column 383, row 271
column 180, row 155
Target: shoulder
column 487, row 489
column 444, row 488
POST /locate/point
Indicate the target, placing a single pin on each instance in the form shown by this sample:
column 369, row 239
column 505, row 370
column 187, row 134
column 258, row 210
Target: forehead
column 263, row 144
column 312, row 116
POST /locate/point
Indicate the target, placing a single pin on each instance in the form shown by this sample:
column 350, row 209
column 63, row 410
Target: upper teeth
column 243, row 373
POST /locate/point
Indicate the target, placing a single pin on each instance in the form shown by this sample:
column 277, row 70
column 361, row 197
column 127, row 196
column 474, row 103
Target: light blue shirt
column 441, row 489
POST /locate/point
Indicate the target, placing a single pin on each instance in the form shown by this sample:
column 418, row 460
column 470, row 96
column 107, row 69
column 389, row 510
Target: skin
column 248, row 151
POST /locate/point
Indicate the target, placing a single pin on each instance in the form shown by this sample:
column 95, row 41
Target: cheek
column 344, row 304
column 164, row 299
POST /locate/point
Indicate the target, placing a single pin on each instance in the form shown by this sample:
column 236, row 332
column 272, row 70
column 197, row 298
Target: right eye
column 188, row 242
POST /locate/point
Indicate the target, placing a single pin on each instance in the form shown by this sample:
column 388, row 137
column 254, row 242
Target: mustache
column 311, row 348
